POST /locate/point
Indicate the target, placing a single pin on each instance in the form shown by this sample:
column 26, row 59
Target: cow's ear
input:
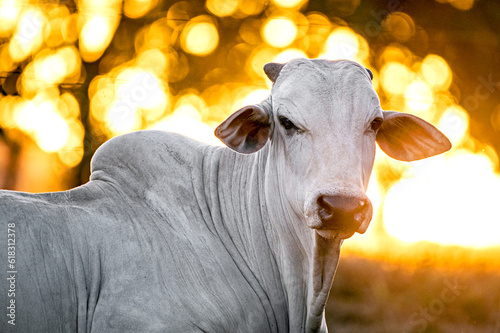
column 245, row 131
column 370, row 73
column 406, row 137
column 272, row 70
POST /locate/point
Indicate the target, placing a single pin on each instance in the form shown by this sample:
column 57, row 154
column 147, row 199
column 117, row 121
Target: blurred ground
column 376, row 296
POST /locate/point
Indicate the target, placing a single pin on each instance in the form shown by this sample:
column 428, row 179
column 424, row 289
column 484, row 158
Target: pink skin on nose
column 342, row 214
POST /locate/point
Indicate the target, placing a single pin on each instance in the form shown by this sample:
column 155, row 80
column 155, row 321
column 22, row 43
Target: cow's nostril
column 362, row 206
column 340, row 212
column 325, row 209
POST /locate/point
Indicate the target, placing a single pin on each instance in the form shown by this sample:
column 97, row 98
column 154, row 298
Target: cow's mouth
column 331, row 234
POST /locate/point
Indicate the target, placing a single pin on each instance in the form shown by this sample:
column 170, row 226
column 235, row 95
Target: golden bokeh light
column 249, row 31
column 7, row 64
column 52, row 131
column 251, row 7
column 72, row 153
column 180, row 63
column 122, row 117
column 41, row 120
column 192, row 98
column 454, row 123
column 127, row 99
column 141, row 88
column 95, row 36
column 68, row 106
column 137, row 8
column 259, row 57
column 187, row 119
column 279, row 31
column 363, row 50
column 254, row 96
column 49, row 69
column 9, row 11
column 54, row 67
column 28, row 36
column 50, row 120
column 157, row 36
column 28, row 86
column 8, row 109
column 319, row 30
column 69, row 28
column 200, row 37
column 419, row 97
column 289, row 3
column 289, row 54
column 153, row 60
column 395, row 78
column 53, row 32
column 436, row 72
column 343, row 43
column 222, row 8
column 101, row 94
column 400, row 26
column 461, row 4
column 495, row 118
column 396, row 53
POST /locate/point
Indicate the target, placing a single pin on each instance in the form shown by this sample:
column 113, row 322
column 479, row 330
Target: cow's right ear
column 406, row 137
column 246, row 130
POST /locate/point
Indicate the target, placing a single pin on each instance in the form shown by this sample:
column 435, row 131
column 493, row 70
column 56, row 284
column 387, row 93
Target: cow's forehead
column 342, row 85
column 331, row 69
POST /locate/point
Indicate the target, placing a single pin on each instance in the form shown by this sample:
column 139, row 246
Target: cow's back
column 50, row 259
column 133, row 250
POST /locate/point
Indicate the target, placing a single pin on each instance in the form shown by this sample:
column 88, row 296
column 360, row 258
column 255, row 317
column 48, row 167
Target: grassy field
column 371, row 295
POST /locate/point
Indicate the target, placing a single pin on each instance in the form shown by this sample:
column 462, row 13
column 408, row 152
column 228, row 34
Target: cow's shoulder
column 146, row 146
column 145, row 155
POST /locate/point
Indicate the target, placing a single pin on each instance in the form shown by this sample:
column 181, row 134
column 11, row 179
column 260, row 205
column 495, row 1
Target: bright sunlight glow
column 452, row 200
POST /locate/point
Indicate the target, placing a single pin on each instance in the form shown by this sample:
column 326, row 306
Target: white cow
column 171, row 235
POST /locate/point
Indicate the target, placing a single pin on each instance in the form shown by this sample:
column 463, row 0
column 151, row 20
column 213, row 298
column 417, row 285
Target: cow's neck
column 289, row 260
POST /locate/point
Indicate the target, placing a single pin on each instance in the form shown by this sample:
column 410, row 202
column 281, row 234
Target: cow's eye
column 286, row 123
column 376, row 123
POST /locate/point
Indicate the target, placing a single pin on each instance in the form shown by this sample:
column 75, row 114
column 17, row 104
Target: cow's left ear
column 406, row 137
column 246, row 130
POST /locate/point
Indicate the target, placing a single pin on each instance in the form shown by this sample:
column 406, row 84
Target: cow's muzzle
column 343, row 215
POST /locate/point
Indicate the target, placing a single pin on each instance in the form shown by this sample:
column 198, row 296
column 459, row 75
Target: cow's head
column 321, row 121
